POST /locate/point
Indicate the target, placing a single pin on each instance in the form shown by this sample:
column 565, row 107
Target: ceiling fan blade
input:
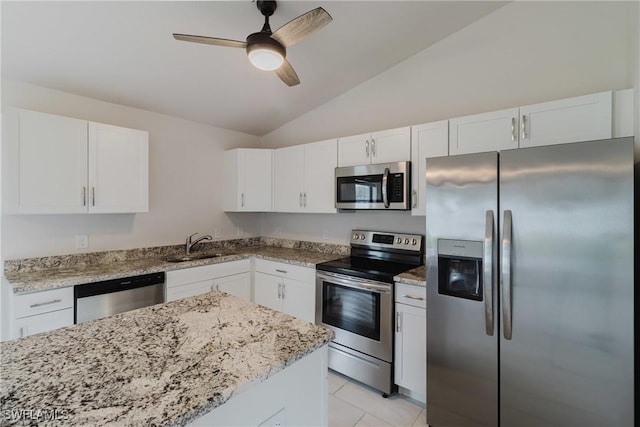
column 297, row 29
column 209, row 40
column 287, row 74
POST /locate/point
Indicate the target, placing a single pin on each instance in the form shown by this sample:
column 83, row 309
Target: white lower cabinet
column 42, row 311
column 410, row 362
column 285, row 287
column 231, row 277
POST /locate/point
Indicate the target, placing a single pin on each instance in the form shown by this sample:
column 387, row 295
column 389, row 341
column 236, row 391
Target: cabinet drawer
column 411, row 295
column 43, row 302
column 295, row 272
column 189, row 290
column 205, row 272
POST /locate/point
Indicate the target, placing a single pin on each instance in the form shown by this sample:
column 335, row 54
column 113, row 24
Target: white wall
column 186, row 172
column 523, row 53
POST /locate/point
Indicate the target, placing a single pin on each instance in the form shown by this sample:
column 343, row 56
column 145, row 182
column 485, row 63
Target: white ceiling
column 123, row 52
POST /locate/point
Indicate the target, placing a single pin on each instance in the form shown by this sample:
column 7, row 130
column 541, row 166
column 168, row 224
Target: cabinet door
column 583, row 118
column 494, row 131
column 258, row 170
column 392, row 145
column 118, row 169
column 46, row 157
column 45, row 322
column 189, row 290
column 289, row 168
column 299, row 299
column 411, row 348
column 267, row 290
column 320, row 161
column 237, row 284
column 354, row 150
column 427, row 140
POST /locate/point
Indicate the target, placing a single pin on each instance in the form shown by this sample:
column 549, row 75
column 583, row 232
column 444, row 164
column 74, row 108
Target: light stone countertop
column 161, row 365
column 69, row 274
column 416, row 277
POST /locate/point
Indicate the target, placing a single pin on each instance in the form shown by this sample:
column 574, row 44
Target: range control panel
column 381, row 239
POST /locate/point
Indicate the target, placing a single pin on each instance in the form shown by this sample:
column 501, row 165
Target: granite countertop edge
column 415, row 277
column 55, row 278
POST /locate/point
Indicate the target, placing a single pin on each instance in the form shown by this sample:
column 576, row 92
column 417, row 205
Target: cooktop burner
column 378, row 255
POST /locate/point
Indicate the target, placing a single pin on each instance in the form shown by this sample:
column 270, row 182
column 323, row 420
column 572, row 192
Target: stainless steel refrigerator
column 530, row 287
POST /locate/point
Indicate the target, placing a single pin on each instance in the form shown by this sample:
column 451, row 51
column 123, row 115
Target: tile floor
column 353, row 404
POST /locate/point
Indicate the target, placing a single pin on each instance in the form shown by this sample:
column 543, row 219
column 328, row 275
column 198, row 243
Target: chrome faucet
column 190, row 244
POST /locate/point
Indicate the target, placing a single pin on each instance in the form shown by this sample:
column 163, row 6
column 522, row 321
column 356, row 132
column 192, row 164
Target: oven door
column 359, row 311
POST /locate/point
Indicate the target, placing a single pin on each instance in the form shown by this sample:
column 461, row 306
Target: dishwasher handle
column 116, row 285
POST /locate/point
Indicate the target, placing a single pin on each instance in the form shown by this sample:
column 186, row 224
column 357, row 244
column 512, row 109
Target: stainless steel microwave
column 381, row 186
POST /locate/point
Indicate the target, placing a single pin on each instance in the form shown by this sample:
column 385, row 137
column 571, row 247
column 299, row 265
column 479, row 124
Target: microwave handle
column 385, row 181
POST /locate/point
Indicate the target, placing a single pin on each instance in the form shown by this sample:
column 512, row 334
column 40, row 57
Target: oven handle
column 356, row 283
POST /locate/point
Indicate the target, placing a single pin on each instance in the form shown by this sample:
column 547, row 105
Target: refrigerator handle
column 506, row 275
column 487, row 274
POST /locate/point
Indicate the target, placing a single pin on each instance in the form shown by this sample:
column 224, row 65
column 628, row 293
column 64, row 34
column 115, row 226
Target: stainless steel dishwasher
column 109, row 297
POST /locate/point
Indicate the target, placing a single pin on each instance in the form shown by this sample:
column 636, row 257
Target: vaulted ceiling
column 123, row 52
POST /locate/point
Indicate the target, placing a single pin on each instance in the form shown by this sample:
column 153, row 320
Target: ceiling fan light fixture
column 264, row 52
column 266, row 59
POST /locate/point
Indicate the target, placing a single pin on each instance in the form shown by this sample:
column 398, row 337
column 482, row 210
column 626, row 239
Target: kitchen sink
column 191, row 257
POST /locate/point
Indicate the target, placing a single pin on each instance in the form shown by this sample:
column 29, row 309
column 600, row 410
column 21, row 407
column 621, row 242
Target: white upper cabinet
column 118, row 169
column 427, row 140
column 386, row 146
column 248, row 180
column 59, row 165
column 304, row 178
column 582, row 118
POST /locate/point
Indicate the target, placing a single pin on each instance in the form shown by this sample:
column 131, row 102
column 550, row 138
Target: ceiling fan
column 267, row 50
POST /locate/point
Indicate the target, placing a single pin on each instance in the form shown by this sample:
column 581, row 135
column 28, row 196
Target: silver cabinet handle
column 300, row 200
column 304, row 196
column 40, row 304
column 505, row 282
column 242, row 200
column 366, row 147
column 84, row 196
column 513, row 128
column 279, row 290
column 487, row 275
column 413, row 297
column 22, row 332
column 385, row 181
column 217, row 287
column 282, row 271
column 373, row 147
column 284, row 287
column 398, row 321
column 415, row 199
column 523, row 126
column 93, row 196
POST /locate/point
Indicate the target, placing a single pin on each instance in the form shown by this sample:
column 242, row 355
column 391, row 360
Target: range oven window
column 365, row 189
column 354, row 310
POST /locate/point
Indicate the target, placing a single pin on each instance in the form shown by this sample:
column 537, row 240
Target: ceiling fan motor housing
column 263, row 40
column 266, row 7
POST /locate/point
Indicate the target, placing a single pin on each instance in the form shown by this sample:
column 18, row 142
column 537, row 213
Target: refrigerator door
column 569, row 361
column 462, row 334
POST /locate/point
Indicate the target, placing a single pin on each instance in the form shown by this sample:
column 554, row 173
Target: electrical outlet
column 239, row 231
column 325, row 234
column 82, row 241
column 216, row 232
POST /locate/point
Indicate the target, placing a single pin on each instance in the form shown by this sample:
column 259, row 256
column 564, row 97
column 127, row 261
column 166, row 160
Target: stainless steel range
column 354, row 298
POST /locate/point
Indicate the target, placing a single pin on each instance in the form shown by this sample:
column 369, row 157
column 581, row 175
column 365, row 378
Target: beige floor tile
column 394, row 410
column 370, row 421
column 342, row 414
column 422, row 420
column 335, row 381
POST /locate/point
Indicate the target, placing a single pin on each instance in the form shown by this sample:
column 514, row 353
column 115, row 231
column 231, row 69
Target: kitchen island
column 188, row 361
